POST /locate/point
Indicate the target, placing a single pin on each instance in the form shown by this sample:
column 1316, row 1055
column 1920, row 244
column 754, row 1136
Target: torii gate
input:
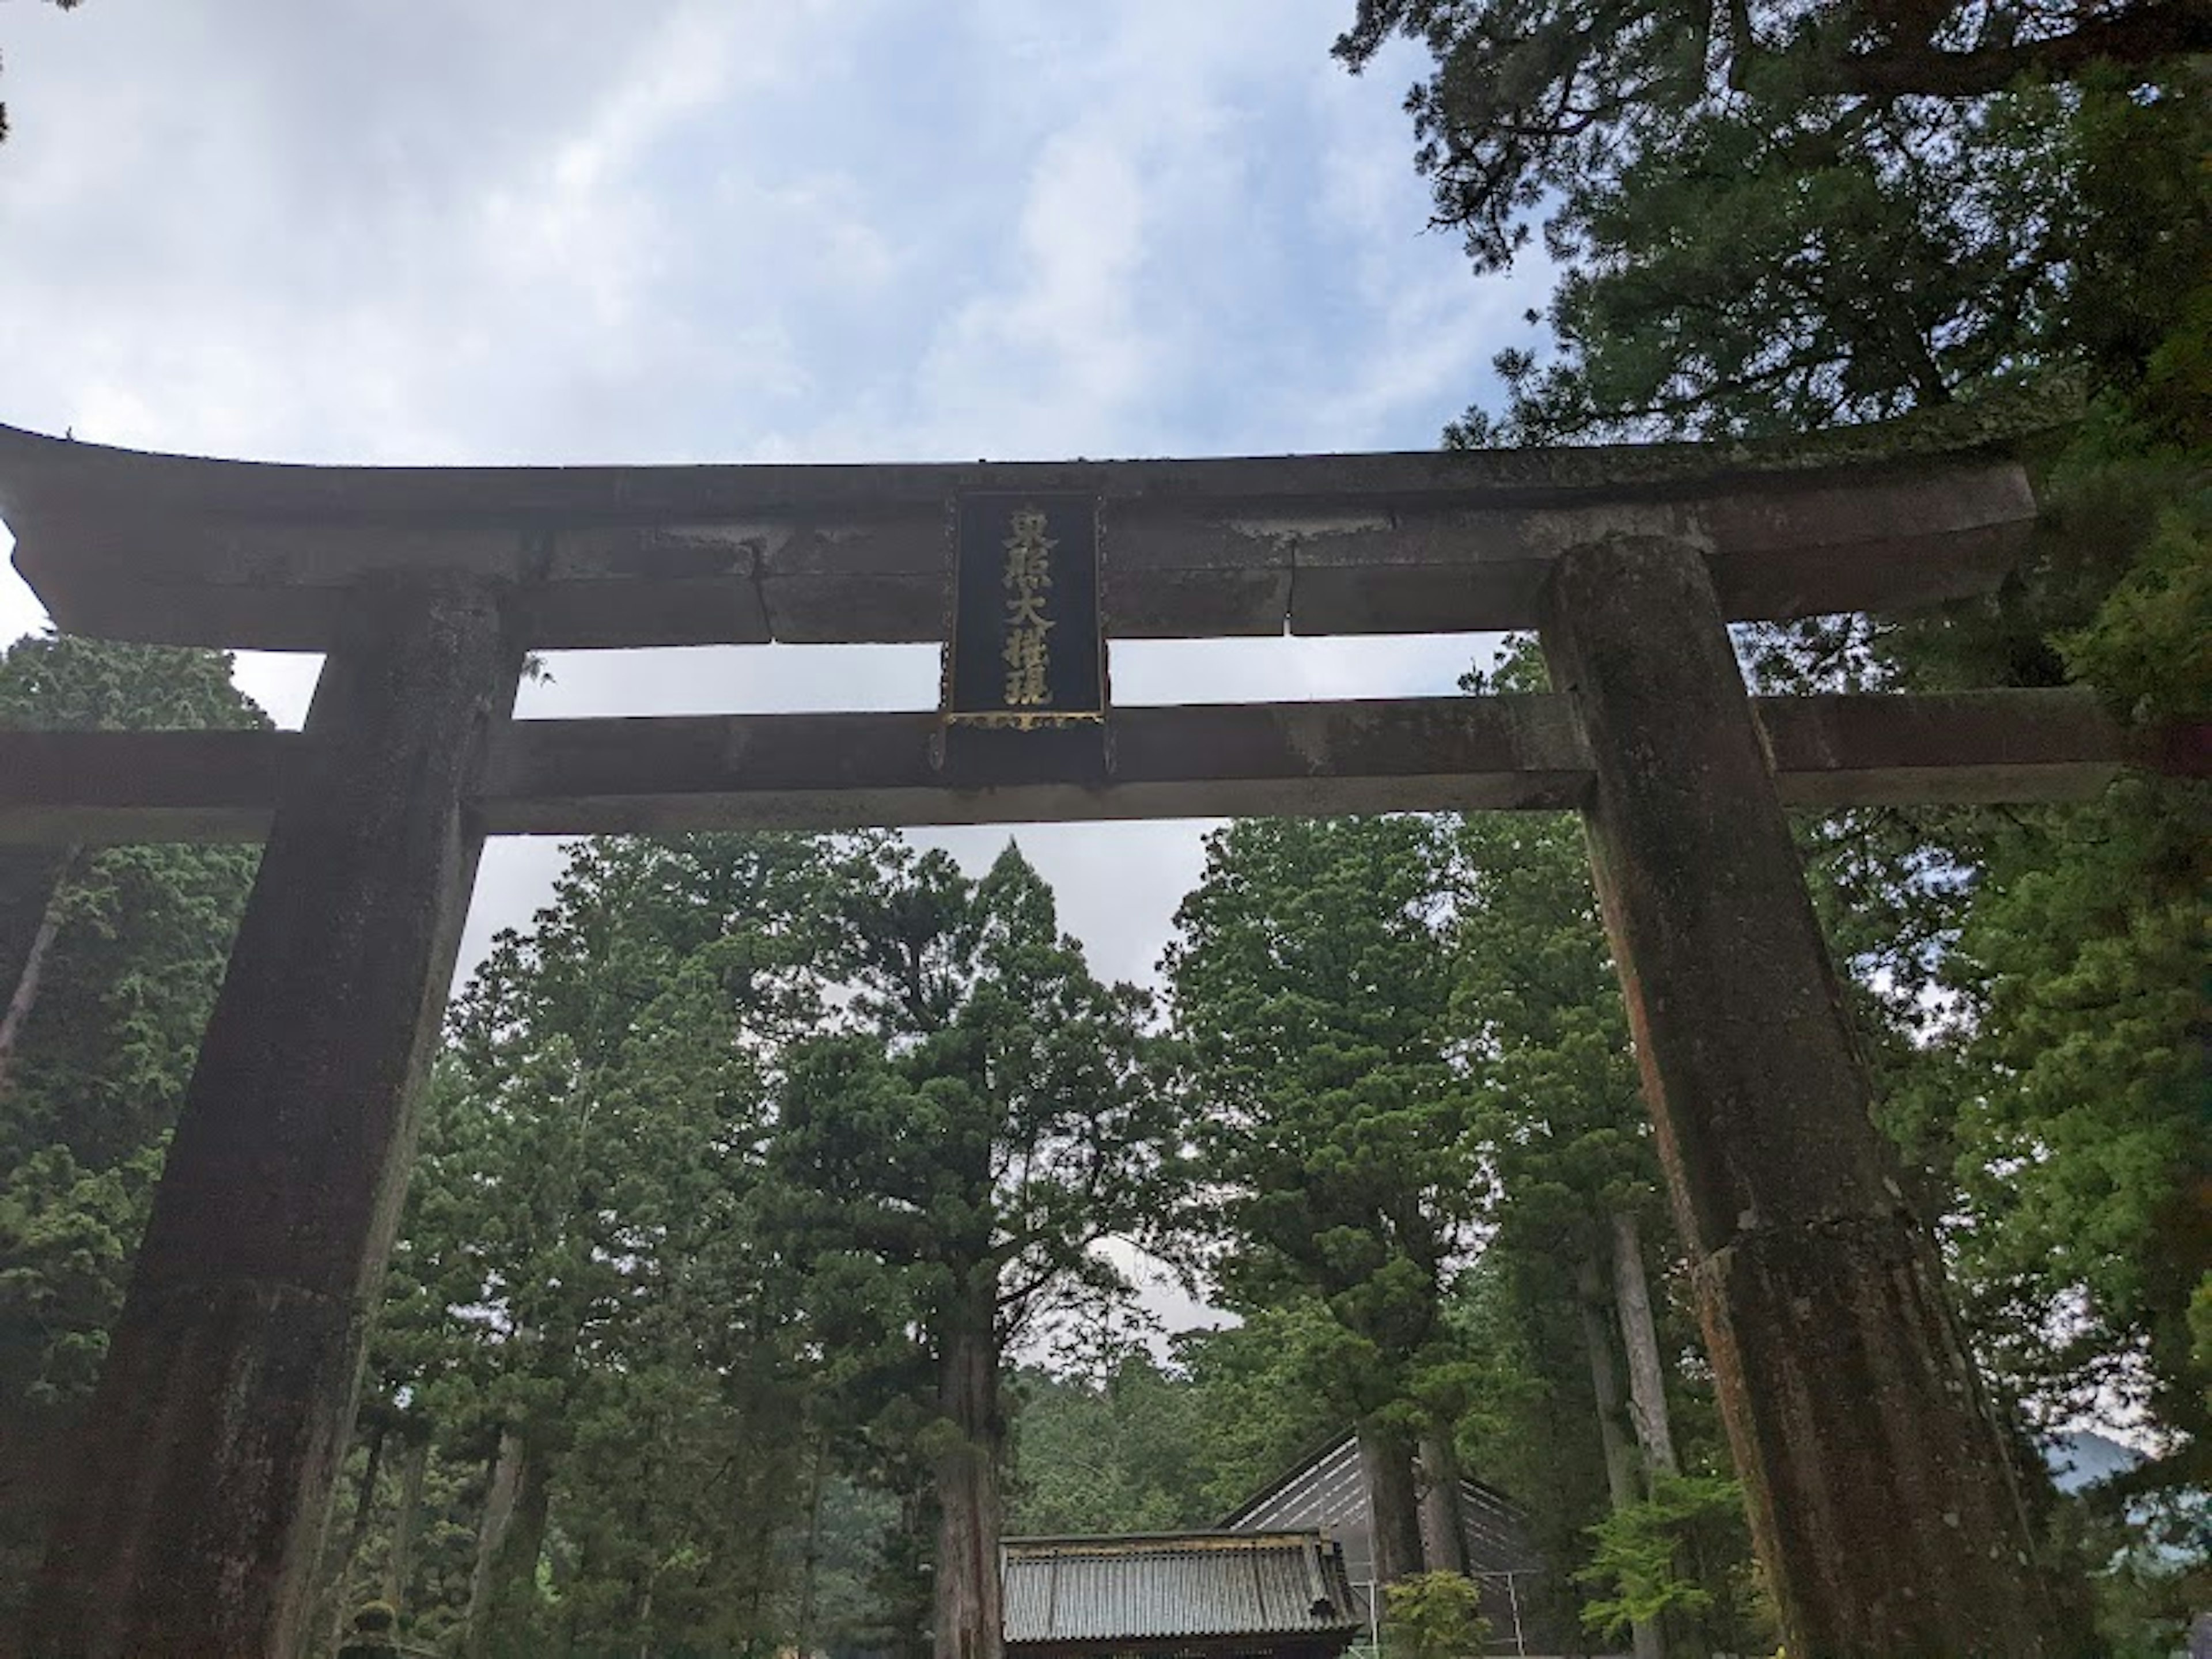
column 1882, row 1500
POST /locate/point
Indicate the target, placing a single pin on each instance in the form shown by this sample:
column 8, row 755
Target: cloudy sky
column 768, row 230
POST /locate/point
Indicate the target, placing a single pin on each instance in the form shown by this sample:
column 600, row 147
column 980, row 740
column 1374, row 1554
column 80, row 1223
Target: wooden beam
column 845, row 770
column 190, row 551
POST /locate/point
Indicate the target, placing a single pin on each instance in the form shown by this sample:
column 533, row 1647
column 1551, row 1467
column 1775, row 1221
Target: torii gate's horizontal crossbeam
column 846, row 770
column 203, row 552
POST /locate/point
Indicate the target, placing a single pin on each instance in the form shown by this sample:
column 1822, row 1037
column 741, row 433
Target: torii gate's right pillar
column 1882, row 1501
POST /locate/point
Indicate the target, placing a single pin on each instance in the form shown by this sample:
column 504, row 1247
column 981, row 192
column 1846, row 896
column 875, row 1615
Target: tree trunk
column 1620, row 1453
column 1386, row 1457
column 810, row 1561
column 970, row 1621
column 399, row 1562
column 644, row 1623
column 1639, row 1339
column 29, row 873
column 508, row 1546
column 364, row 1503
column 1444, row 1538
column 501, row 1491
column 514, row 1575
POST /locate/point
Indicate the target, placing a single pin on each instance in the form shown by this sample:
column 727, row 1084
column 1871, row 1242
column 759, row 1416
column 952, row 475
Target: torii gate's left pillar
column 199, row 1489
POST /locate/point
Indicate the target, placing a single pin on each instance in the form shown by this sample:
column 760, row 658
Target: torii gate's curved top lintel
column 174, row 549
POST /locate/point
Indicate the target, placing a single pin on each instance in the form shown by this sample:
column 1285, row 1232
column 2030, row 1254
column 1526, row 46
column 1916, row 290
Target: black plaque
column 1023, row 648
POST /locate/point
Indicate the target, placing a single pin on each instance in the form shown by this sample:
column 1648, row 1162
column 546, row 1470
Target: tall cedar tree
column 582, row 1305
column 1311, row 983
column 957, row 1159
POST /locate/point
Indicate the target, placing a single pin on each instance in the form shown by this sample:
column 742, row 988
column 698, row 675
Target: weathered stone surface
column 1841, row 1332
column 219, row 552
column 832, row 771
column 1882, row 1500
column 185, row 1531
column 106, row 789
column 204, row 1472
column 1170, row 573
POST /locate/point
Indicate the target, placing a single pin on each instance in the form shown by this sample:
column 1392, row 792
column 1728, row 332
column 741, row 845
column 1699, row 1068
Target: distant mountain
column 2083, row 1457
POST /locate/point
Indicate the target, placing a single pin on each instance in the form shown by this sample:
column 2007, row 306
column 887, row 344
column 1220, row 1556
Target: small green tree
column 1433, row 1615
column 1637, row 1568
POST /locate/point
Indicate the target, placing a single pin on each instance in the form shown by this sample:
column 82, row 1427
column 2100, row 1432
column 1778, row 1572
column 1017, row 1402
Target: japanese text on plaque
column 1024, row 648
column 1027, row 649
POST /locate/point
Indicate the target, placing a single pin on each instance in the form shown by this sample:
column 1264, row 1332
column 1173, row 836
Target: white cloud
column 695, row 231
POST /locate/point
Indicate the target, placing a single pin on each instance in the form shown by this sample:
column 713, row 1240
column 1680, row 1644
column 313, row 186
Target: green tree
column 580, row 1303
column 1310, row 984
column 1123, row 1452
column 2073, row 1058
column 1261, row 1403
column 956, row 1160
column 1434, row 1615
column 1774, row 219
column 1803, row 131
column 1637, row 1565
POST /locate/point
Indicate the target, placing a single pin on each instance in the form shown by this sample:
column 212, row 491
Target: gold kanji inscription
column 1028, row 652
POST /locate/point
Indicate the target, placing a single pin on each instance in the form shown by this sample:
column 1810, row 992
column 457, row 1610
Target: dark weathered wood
column 1883, row 1502
column 831, row 771
column 201, row 1484
column 235, row 554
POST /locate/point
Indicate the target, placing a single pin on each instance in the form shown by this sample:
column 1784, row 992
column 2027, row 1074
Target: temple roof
column 1153, row 1587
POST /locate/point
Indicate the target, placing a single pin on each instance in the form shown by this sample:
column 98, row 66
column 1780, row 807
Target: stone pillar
column 200, row 1488
column 1881, row 1498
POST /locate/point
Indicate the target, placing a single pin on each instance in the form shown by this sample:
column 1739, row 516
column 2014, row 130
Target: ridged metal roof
column 1091, row 1589
column 1330, row 1492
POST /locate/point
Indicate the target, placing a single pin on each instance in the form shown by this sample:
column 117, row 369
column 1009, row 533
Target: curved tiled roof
column 1150, row 1587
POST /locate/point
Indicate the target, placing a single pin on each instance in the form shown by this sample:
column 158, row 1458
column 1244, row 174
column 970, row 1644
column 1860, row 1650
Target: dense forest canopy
column 758, row 1170
column 1771, row 219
